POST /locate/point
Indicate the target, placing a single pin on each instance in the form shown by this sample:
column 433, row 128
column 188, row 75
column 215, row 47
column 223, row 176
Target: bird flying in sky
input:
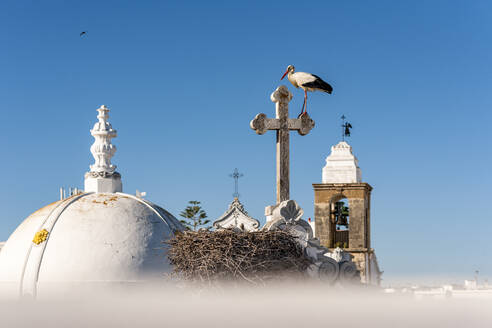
column 308, row 82
column 83, row 33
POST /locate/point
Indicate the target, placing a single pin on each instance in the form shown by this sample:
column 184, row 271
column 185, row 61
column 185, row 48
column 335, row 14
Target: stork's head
column 290, row 69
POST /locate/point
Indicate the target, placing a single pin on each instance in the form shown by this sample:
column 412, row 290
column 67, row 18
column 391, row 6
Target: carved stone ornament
column 306, row 124
column 327, row 270
column 237, row 218
column 102, row 149
column 330, row 266
column 281, row 94
column 335, row 269
column 102, row 178
column 259, row 123
column 339, row 255
column 102, row 174
column 348, row 273
column 291, row 211
column 287, row 216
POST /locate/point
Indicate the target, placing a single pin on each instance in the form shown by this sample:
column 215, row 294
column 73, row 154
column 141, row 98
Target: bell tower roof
column 341, row 165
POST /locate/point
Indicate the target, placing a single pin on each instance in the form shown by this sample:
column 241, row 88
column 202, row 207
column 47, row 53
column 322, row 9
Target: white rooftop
column 341, row 165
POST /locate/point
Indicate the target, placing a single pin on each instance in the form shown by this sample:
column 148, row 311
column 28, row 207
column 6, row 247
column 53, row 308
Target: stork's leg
column 303, row 104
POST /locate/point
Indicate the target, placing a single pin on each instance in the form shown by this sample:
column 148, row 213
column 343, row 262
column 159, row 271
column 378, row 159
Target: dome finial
column 102, row 176
column 102, row 149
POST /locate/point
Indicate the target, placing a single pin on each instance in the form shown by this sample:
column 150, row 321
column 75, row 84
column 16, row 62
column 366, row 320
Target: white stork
column 308, row 82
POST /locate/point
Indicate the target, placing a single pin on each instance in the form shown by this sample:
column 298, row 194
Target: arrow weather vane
column 346, row 126
column 236, row 175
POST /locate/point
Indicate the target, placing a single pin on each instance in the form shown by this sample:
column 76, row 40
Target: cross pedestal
column 283, row 125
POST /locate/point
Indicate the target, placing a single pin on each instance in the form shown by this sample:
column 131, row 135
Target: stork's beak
column 287, row 71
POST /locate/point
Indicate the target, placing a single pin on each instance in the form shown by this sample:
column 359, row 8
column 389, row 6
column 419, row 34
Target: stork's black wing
column 319, row 84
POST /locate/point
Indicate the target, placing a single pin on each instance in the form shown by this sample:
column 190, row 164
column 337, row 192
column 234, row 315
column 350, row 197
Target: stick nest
column 229, row 255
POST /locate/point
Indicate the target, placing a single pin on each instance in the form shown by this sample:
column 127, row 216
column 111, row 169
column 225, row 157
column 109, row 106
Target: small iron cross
column 283, row 125
column 236, row 175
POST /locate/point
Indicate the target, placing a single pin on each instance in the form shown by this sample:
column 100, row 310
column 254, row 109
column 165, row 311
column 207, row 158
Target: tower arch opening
column 341, row 222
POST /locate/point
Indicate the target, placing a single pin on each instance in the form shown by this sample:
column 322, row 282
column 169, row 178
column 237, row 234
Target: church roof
column 236, row 217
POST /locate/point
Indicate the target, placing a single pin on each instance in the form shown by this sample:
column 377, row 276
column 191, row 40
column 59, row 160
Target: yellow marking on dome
column 40, row 236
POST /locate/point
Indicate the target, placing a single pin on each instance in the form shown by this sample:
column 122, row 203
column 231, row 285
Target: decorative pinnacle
column 102, row 149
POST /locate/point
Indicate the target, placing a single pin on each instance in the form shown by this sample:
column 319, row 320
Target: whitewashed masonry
column 341, row 165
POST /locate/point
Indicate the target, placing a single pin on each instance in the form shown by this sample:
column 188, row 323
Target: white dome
column 91, row 237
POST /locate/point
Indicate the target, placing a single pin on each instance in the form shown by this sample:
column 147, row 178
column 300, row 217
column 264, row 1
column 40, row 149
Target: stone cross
column 282, row 124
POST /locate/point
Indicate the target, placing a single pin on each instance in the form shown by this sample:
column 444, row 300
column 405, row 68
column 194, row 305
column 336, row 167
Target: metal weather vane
column 236, row 175
column 346, row 126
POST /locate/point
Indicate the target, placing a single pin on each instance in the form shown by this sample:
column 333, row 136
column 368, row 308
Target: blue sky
column 184, row 79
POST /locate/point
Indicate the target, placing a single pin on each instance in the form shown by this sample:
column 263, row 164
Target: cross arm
column 303, row 124
column 262, row 124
